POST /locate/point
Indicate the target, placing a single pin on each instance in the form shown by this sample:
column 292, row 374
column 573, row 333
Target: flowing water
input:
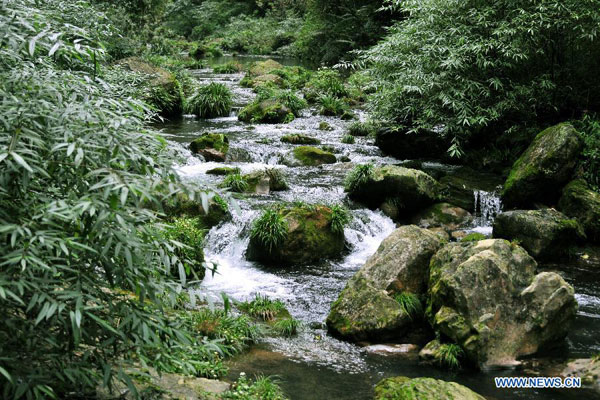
column 314, row 365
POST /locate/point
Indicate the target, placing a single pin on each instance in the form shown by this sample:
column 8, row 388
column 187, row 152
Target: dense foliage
column 461, row 68
column 83, row 277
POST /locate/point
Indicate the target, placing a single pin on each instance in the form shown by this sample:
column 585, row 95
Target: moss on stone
column 580, row 202
column 474, row 237
column 216, row 141
column 223, row 171
column 267, row 112
column 312, row 156
column 404, row 388
column 299, row 139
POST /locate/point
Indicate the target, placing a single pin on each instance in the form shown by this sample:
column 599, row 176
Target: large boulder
column 546, row 234
column 367, row 308
column 403, row 388
column 409, row 146
column 310, row 238
column 267, row 112
column 161, row 89
column 544, row 168
column 402, row 191
column 485, row 297
column 212, row 146
column 443, row 215
column 580, row 202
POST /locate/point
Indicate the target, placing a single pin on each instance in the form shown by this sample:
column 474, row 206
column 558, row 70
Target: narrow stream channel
column 314, row 365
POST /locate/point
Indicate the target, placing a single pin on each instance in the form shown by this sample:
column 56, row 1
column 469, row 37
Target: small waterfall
column 487, row 205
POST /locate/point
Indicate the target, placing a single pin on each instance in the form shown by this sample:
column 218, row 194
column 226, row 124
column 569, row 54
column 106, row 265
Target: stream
column 314, row 365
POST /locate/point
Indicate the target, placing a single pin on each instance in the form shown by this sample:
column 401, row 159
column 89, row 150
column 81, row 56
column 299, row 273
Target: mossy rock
column 310, row 238
column 546, row 234
column 442, row 215
column 545, row 167
column 213, row 146
column 312, row 156
column 265, row 181
column 162, row 90
column 580, row 202
column 266, row 112
column 223, row 171
column 405, row 190
column 263, row 67
column 404, row 388
column 485, row 296
column 267, row 79
column 300, row 139
column 367, row 307
column 324, row 126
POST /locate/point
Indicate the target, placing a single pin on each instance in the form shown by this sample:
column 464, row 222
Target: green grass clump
column 262, row 307
column 348, row 139
column 449, row 355
column 227, row 68
column 286, row 327
column 325, row 82
column 361, row 129
column 340, row 217
column 360, row 175
column 410, row 304
column 211, row 101
column 236, row 183
column 288, row 98
column 270, row 229
column 263, row 388
column 331, row 106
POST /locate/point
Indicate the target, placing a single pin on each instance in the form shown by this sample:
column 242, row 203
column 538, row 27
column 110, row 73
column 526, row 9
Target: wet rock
column 266, row 112
column 582, row 203
column 300, row 139
column 545, row 167
column 366, row 308
column 164, row 91
column 586, row 369
column 404, row 388
column 443, row 215
column 408, row 190
column 403, row 145
column 485, row 297
column 429, row 353
column 459, row 186
column 392, row 349
column 441, row 232
column 264, row 181
column 309, row 156
column 221, row 171
column 546, row 234
column 458, row 235
column 238, row 155
column 310, row 238
column 212, row 146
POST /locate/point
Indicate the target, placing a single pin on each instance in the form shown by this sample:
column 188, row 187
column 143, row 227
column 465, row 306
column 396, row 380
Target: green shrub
column 235, row 183
column 187, row 232
column 211, row 101
column 348, row 139
column 325, row 82
column 449, row 355
column 410, row 304
column 331, row 106
column 589, row 127
column 521, row 63
column 270, row 229
column 340, row 217
column 83, row 280
column 359, row 176
column 262, row 307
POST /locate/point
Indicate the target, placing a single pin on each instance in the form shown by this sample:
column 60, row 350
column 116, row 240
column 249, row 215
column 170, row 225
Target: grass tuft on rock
column 211, row 101
column 262, row 307
column 270, row 229
column 449, row 355
column 410, row 304
column 360, row 175
column 236, row 183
